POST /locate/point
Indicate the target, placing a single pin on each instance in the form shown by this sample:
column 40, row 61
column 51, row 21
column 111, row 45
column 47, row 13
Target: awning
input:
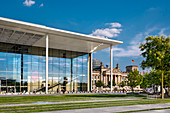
column 23, row 33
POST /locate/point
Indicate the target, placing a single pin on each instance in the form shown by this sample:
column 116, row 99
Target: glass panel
column 22, row 69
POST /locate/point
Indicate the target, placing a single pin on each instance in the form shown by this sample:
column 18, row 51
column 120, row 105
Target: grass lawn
column 62, row 98
column 67, row 106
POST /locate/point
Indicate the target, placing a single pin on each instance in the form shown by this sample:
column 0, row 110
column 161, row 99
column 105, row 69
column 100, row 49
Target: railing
column 43, row 88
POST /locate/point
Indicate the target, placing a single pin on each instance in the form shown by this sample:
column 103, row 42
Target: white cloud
column 137, row 38
column 162, row 31
column 82, row 59
column 28, row 3
column 133, row 48
column 114, row 24
column 150, row 30
column 117, row 49
column 151, row 9
column 2, row 59
column 77, row 65
column 42, row 5
column 110, row 32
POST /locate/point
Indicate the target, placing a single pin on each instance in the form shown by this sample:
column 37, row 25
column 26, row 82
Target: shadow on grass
column 106, row 95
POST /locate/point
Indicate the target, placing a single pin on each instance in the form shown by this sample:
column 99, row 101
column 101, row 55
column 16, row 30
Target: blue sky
column 127, row 20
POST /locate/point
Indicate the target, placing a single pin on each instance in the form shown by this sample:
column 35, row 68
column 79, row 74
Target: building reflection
column 22, row 69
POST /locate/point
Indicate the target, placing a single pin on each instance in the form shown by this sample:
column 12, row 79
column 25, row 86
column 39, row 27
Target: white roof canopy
column 18, row 32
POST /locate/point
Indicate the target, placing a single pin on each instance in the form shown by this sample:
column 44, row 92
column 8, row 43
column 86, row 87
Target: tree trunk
column 132, row 89
column 162, row 85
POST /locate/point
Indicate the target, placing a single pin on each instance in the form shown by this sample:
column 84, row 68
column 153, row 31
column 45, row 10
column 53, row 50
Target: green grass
column 68, row 106
column 136, row 99
column 61, row 98
column 145, row 110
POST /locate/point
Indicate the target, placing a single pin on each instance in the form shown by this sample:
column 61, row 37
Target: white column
column 71, row 84
column 111, row 66
column 91, row 68
column 90, row 72
column 46, row 85
column 88, row 83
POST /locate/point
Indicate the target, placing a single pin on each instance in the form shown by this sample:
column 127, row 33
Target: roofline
column 132, row 65
column 97, row 39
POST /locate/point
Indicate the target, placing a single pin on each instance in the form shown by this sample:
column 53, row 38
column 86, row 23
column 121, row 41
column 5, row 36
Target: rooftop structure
column 37, row 58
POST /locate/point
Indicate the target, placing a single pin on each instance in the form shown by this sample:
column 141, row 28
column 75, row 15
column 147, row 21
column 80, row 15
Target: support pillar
column 22, row 70
column 111, row 67
column 120, row 78
column 0, row 86
column 90, row 71
column 116, row 79
column 71, row 84
column 46, row 85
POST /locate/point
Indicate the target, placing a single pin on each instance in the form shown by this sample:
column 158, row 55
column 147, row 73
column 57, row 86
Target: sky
column 129, row 21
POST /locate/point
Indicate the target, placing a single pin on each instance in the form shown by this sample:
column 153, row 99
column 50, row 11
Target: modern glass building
column 36, row 58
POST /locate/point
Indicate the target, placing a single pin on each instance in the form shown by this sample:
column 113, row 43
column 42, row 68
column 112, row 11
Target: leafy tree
column 146, row 81
column 134, row 78
column 99, row 83
column 156, row 51
column 153, row 77
column 168, row 74
column 113, row 83
column 122, row 84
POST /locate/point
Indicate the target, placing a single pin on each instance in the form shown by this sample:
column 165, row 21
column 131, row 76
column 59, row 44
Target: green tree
column 156, row 51
column 134, row 79
column 146, row 81
column 99, row 83
column 168, row 76
column 152, row 78
column 122, row 84
column 113, row 83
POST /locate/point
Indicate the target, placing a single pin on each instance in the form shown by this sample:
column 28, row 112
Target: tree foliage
column 122, row 84
column 99, row 83
column 134, row 78
column 153, row 77
column 146, row 81
column 156, row 51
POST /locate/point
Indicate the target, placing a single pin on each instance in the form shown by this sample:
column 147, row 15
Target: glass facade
column 23, row 69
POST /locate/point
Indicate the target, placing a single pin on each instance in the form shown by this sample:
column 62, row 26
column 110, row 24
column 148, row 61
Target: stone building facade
column 103, row 73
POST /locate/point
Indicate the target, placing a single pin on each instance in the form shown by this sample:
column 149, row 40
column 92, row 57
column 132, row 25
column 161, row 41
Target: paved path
column 114, row 109
column 43, row 103
column 156, row 111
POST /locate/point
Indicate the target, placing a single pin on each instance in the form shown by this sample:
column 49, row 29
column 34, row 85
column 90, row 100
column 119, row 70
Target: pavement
column 119, row 109
column 156, row 111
